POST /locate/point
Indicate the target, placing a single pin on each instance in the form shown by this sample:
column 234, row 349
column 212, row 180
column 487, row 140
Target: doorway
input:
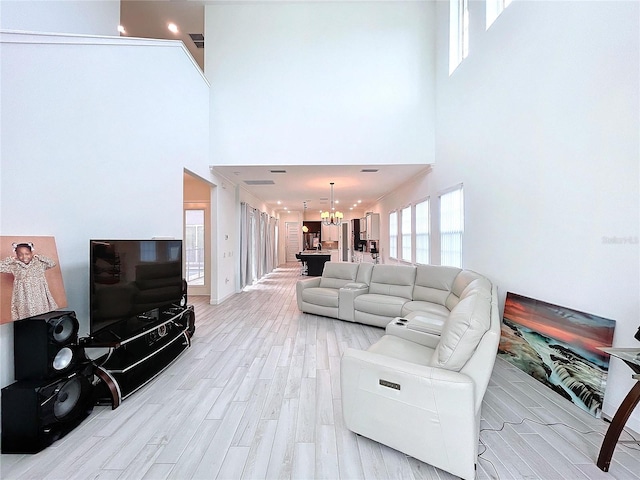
column 197, row 235
column 292, row 240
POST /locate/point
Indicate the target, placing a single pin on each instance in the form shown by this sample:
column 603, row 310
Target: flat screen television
column 132, row 279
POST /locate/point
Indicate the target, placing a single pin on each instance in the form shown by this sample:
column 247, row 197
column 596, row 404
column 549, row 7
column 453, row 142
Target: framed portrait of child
column 30, row 277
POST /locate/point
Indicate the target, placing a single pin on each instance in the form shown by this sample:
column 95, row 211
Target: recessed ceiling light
column 172, row 27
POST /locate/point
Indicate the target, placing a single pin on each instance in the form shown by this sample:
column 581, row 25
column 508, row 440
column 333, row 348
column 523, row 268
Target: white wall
column 95, row 134
column 541, row 125
column 97, row 17
column 321, row 82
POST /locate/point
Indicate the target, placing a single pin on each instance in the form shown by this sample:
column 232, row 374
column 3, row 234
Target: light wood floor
column 258, row 396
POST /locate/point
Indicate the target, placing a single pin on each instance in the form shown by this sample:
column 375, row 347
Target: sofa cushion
column 393, row 280
column 325, row 297
column 364, row 273
column 462, row 281
column 425, row 308
column 338, row 274
column 481, row 285
column 383, row 305
column 433, row 283
column 467, row 323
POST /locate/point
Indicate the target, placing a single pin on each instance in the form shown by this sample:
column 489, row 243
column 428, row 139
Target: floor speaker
column 36, row 413
column 46, row 346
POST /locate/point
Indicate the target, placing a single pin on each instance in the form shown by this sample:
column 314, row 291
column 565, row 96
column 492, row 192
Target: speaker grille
column 63, row 328
column 63, row 359
column 67, row 398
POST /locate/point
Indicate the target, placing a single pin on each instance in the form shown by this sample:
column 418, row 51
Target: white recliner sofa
column 421, row 296
column 323, row 295
column 390, row 288
column 425, row 400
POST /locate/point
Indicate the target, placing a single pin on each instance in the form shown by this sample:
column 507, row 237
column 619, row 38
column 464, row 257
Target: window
column 451, row 227
column 422, row 232
column 494, row 9
column 405, row 232
column 194, row 246
column 458, row 32
column 393, row 235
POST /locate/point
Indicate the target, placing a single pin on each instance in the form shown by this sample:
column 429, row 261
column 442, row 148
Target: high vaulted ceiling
column 299, row 185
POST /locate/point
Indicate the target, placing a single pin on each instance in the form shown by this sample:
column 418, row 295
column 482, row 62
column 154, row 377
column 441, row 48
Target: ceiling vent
column 259, row 182
column 198, row 39
column 369, row 170
column 278, row 171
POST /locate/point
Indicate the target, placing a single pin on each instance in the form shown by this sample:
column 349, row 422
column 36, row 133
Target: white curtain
column 258, row 244
column 245, row 243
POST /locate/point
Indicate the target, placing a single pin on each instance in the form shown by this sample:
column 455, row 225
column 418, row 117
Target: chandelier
column 331, row 217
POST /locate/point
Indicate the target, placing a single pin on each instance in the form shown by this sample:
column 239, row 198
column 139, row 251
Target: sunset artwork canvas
column 558, row 347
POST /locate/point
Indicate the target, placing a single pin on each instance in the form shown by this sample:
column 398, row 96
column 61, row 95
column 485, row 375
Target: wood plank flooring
column 258, row 396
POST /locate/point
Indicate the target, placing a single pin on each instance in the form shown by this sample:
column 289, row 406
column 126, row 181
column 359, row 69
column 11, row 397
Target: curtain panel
column 258, row 244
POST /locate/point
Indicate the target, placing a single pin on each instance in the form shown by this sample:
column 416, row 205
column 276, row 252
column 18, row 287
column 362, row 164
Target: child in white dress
column 31, row 295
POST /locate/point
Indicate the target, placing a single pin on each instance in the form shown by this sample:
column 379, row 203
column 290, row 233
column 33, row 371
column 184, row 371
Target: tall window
column 451, row 227
column 393, row 235
column 458, row 32
column 422, row 232
column 495, row 8
column 194, row 246
column 405, row 231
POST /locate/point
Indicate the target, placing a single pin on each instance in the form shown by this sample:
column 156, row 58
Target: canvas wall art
column 30, row 277
column 558, row 346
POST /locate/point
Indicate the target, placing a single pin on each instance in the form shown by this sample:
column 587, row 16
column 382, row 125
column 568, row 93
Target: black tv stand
column 138, row 349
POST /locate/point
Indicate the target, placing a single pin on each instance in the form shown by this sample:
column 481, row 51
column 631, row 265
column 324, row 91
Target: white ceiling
column 149, row 19
column 310, row 184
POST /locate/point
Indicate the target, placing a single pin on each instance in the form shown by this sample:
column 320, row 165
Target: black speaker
column 35, row 413
column 183, row 299
column 45, row 346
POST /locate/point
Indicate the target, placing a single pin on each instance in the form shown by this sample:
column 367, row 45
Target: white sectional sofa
column 419, row 389
column 422, row 296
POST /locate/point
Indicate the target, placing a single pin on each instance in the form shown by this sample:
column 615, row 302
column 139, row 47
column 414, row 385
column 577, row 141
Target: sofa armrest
column 425, row 373
column 423, row 411
column 305, row 283
column 346, row 295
